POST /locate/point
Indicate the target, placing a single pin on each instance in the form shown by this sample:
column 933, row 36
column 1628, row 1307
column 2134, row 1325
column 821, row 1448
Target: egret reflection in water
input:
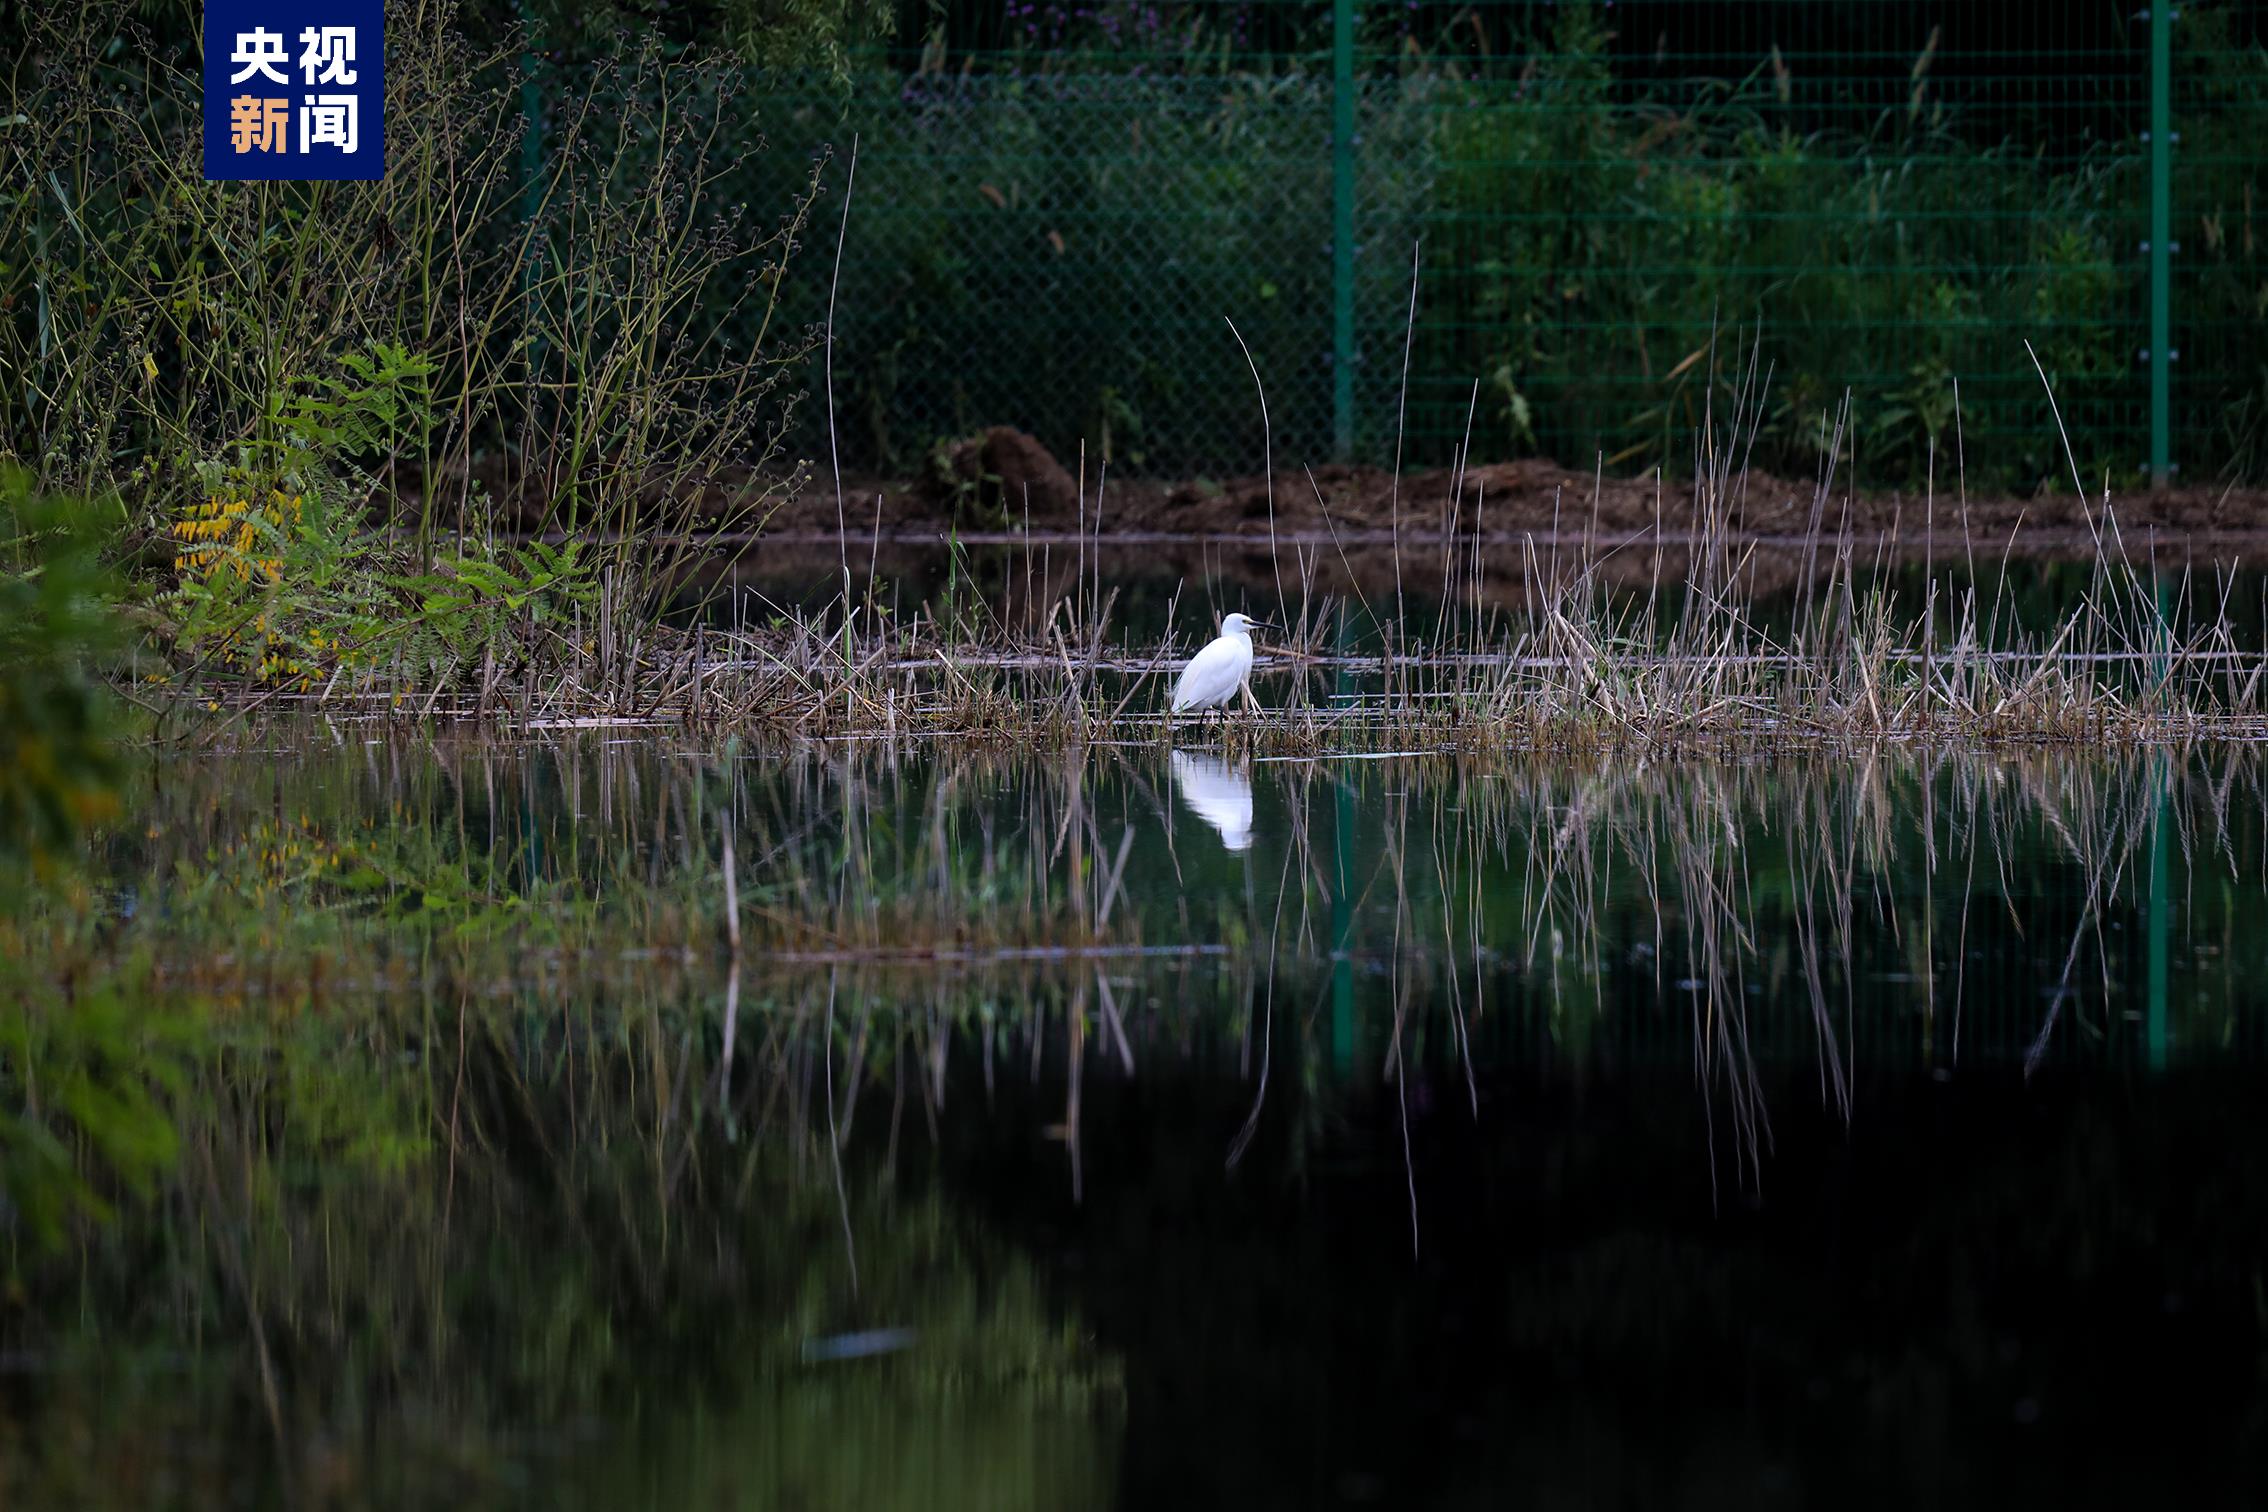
column 1217, row 793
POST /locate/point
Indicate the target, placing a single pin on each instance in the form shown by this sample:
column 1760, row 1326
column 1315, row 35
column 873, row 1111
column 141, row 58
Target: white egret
column 1218, row 794
column 1217, row 674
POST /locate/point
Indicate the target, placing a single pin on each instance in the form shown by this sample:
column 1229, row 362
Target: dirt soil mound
column 999, row 475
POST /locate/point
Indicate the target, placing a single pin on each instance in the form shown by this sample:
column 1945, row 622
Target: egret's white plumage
column 1216, row 674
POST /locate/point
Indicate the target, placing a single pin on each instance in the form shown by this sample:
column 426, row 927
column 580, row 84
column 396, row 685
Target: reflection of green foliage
column 85, row 1084
column 451, row 1130
column 849, row 1441
column 341, row 1113
column 56, row 770
column 419, row 1236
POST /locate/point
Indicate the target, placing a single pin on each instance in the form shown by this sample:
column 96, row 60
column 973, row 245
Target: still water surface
column 1140, row 1128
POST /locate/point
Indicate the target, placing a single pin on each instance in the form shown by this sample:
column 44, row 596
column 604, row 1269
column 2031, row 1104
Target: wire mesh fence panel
column 1062, row 209
column 1877, row 199
column 2218, row 183
column 1065, row 254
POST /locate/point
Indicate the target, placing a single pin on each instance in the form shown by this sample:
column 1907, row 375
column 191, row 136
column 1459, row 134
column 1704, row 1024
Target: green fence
column 1062, row 208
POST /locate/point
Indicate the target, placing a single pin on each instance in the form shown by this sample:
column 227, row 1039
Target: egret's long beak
column 1264, row 625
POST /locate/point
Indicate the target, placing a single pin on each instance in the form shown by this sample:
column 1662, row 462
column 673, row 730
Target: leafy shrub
column 283, row 580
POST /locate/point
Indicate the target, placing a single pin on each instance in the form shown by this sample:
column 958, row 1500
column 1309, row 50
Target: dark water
column 1134, row 1128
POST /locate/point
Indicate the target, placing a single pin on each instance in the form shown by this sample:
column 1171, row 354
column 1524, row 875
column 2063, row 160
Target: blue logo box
column 295, row 89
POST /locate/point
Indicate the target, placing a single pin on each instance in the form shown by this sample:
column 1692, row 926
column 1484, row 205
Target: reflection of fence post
column 2154, row 1022
column 1342, row 899
column 2161, row 242
column 1342, row 229
column 1342, row 929
column 2154, row 1032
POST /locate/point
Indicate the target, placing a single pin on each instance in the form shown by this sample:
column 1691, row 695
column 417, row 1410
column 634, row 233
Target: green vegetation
column 454, row 441
column 331, row 411
column 1594, row 220
column 1591, row 245
column 389, row 1117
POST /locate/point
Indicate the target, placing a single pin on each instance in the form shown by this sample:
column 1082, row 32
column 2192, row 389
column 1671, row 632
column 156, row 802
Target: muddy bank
column 1004, row 483
column 1001, row 487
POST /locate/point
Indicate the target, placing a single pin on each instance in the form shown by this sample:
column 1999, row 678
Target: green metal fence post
column 1342, row 228
column 2161, row 242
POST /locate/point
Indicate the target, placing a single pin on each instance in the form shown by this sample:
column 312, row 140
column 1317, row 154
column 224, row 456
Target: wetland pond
column 1134, row 1127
